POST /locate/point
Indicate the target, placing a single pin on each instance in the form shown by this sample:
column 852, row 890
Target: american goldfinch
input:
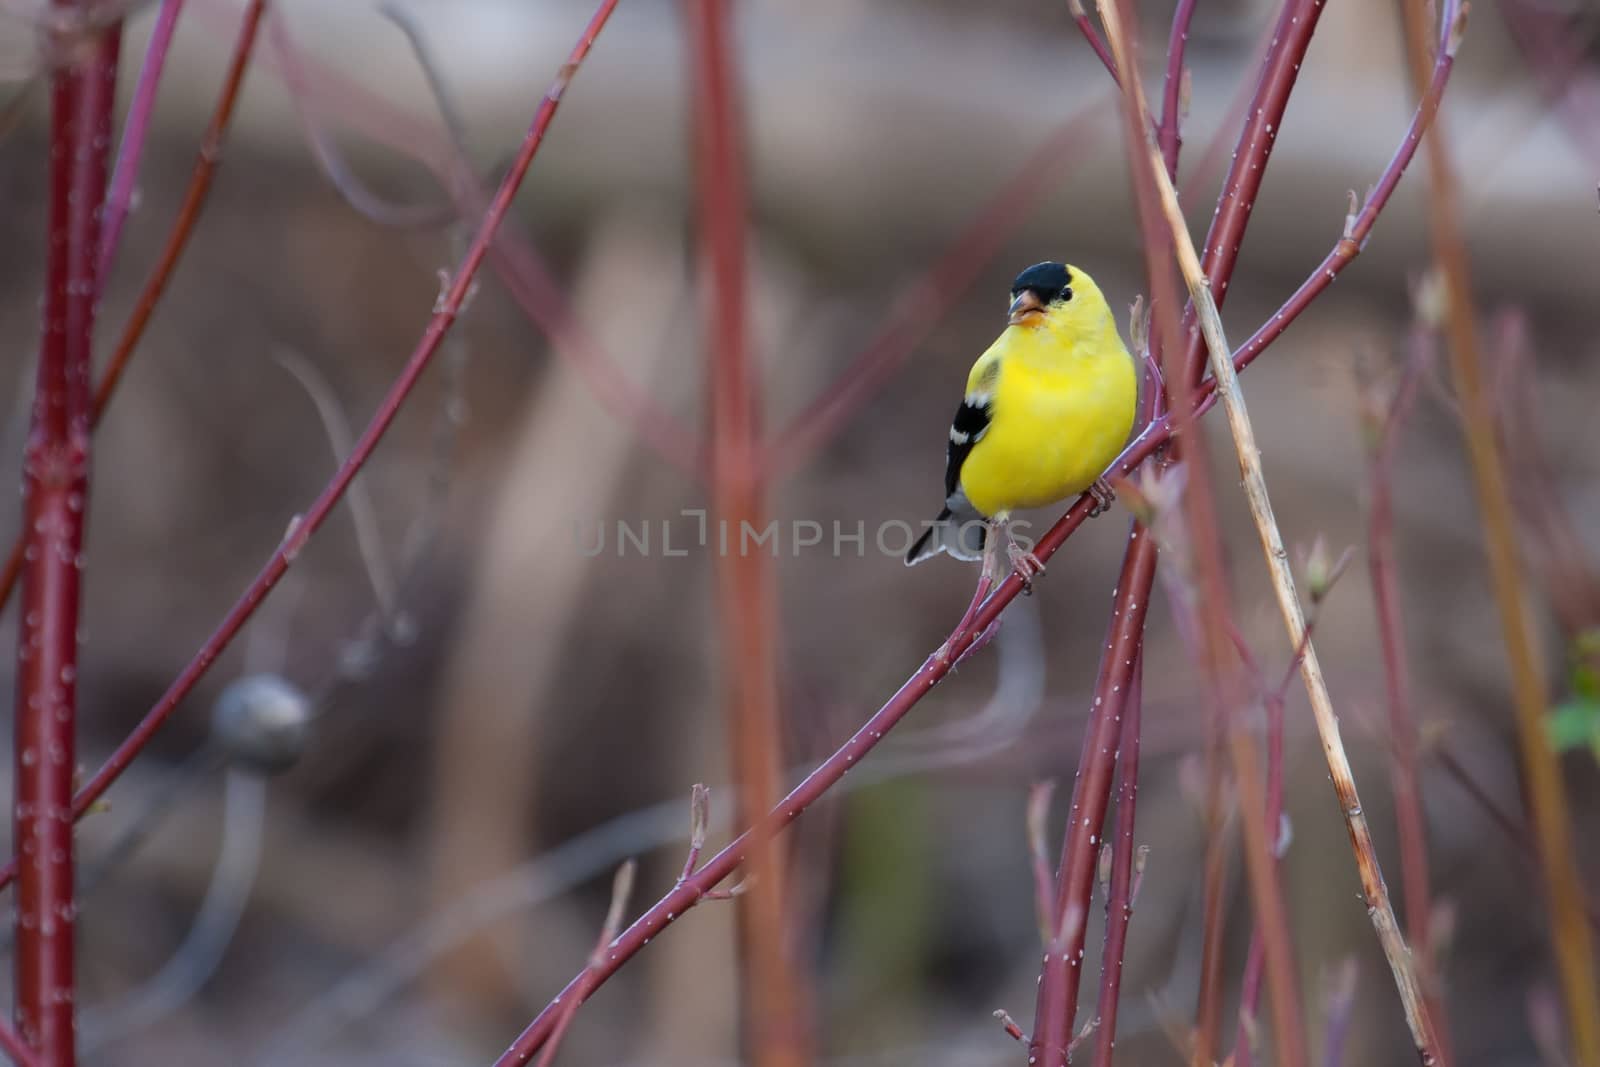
column 1047, row 409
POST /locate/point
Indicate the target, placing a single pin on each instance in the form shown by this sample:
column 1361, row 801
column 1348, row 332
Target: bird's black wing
column 969, row 426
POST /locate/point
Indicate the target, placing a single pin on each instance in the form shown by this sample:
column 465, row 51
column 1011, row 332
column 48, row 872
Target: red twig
column 55, row 479
column 621, row 891
column 527, row 278
column 1062, row 967
column 301, row 530
column 1174, row 88
column 1233, row 118
column 11, row 1043
column 1092, row 35
column 194, row 199
column 915, row 315
column 1292, row 37
column 177, row 240
column 1213, row 890
column 135, row 130
column 1255, row 957
column 1119, row 902
column 746, row 582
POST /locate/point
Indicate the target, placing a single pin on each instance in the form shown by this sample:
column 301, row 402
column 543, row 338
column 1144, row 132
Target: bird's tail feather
column 962, row 536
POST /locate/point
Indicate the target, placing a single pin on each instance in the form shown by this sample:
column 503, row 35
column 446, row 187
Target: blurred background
column 498, row 718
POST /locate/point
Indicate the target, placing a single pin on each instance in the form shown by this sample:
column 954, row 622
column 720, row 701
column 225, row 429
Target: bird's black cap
column 1052, row 281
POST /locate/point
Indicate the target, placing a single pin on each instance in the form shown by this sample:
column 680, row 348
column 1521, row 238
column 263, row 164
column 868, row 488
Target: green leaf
column 1575, row 724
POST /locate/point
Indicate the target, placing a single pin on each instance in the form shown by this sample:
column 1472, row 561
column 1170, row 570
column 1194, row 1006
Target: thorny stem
column 444, row 316
column 194, row 199
column 1547, row 800
column 55, row 480
column 746, row 580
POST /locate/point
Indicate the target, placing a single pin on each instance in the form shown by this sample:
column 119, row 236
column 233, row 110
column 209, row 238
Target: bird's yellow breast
column 1062, row 404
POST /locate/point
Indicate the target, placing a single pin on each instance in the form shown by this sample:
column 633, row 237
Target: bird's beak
column 1026, row 304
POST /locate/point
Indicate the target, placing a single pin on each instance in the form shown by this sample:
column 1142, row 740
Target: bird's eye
column 1066, row 294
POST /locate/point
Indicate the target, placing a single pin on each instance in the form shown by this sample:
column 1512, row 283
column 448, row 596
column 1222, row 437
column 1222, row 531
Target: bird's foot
column 1024, row 564
column 1104, row 496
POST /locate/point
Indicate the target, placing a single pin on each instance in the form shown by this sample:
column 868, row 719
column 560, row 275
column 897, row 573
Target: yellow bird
column 1047, row 408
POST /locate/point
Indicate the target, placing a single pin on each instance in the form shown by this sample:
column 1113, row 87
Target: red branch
column 1169, row 135
column 55, row 478
column 1092, row 35
column 1292, row 37
column 301, row 530
column 1061, row 970
column 177, row 240
column 317, row 89
column 1119, row 901
column 135, row 130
